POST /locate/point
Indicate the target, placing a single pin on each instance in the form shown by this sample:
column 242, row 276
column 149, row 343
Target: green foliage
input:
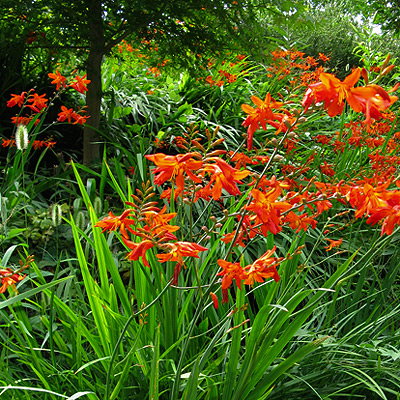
column 89, row 323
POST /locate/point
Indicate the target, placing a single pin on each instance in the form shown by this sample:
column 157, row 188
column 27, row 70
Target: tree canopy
column 180, row 29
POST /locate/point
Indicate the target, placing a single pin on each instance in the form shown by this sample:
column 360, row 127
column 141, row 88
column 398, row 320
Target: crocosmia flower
column 174, row 168
column 9, row 279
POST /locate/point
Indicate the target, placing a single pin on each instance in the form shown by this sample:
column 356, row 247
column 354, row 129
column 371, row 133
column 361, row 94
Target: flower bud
column 274, row 142
column 217, row 142
column 287, row 124
column 364, row 74
column 387, row 70
column 386, row 62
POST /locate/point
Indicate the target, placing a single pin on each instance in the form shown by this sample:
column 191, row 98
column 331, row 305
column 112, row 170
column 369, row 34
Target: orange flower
column 49, row 144
column 322, row 205
column 204, row 193
column 242, row 160
column 333, row 243
column 224, row 176
column 373, row 101
column 173, row 167
column 9, row 279
column 113, row 222
column 80, row 84
column 390, row 216
column 299, row 222
column 231, row 271
column 179, row 250
column 369, row 99
column 263, row 268
column 258, row 116
column 157, row 223
column 24, row 120
column 8, row 142
column 38, row 102
column 326, row 169
column 366, row 198
column 138, row 250
column 80, row 119
column 58, row 79
column 267, row 210
column 16, row 99
column 66, row 114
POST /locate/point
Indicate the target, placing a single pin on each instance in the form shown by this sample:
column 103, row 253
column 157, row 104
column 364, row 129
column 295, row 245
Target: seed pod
column 21, row 137
column 97, row 205
column 80, row 220
column 77, row 205
column 56, row 213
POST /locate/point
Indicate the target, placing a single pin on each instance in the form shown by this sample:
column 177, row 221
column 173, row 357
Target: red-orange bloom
column 332, row 92
column 370, row 100
column 80, row 119
column 215, row 300
column 24, row 120
column 367, row 198
column 299, row 222
column 231, row 271
column 327, row 170
column 224, row 177
column 113, row 222
column 8, row 142
column 242, row 160
column 157, row 224
column 9, row 279
column 16, row 99
column 333, row 243
column 263, row 268
column 38, row 102
column 66, row 114
column 173, row 167
column 138, row 250
column 58, row 79
column 268, row 210
column 390, row 217
column 258, row 116
column 80, row 84
column 179, row 250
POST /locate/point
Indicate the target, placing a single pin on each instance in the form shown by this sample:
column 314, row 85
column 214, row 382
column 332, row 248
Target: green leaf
column 30, row 293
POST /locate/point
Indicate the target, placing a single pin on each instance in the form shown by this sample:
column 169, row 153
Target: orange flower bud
column 215, row 300
column 386, row 62
column 364, row 74
column 387, row 70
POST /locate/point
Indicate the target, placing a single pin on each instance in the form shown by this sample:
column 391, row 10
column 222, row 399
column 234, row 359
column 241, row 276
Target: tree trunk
column 91, row 139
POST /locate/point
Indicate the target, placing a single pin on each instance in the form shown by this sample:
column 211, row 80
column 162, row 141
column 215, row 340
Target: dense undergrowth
column 238, row 239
